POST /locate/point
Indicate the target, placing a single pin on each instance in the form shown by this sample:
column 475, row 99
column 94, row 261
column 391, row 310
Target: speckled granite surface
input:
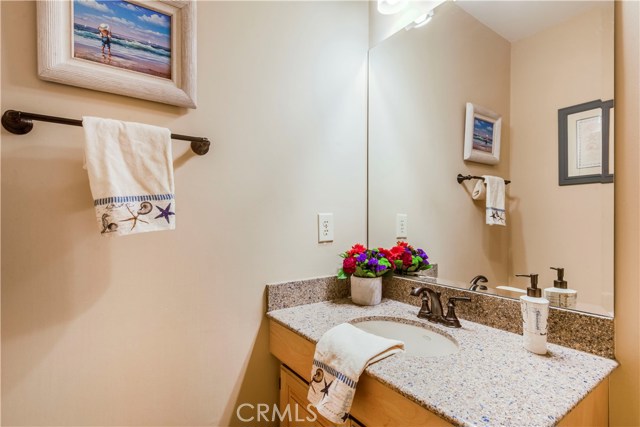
column 491, row 381
column 573, row 329
column 299, row 292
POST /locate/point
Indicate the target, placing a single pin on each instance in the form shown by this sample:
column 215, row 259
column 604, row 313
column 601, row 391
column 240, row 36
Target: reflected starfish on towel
column 325, row 390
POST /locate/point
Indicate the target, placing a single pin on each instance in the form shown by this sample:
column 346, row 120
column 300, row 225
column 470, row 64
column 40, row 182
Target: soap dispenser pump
column 560, row 295
column 535, row 311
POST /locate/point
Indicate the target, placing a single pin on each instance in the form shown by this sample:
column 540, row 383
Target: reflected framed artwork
column 482, row 135
column 142, row 49
column 585, row 143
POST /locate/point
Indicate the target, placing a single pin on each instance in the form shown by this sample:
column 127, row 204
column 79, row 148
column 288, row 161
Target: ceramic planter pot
column 366, row 290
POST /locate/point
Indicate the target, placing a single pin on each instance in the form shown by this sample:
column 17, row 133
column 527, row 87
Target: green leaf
column 359, row 271
column 384, row 262
column 341, row 274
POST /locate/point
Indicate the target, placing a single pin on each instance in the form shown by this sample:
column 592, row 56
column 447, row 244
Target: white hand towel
column 479, row 191
column 496, row 214
column 130, row 170
column 341, row 355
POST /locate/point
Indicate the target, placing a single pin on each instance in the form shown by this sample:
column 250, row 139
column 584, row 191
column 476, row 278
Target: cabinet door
column 294, row 406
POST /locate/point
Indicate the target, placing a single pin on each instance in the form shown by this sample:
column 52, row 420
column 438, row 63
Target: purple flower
column 422, row 254
column 380, row 267
column 373, row 262
column 362, row 257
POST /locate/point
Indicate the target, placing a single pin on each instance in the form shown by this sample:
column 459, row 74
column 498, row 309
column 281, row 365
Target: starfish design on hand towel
column 345, row 416
column 165, row 212
column 135, row 218
column 325, row 390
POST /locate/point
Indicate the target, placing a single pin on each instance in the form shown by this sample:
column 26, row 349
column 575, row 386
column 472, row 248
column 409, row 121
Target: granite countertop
column 491, row 381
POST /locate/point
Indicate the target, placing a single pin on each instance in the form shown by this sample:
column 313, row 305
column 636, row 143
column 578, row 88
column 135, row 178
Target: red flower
column 407, row 259
column 403, row 244
column 349, row 265
column 397, row 251
column 357, row 249
column 387, row 254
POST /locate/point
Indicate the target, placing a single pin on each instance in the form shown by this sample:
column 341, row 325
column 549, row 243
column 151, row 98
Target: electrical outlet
column 325, row 227
column 401, row 226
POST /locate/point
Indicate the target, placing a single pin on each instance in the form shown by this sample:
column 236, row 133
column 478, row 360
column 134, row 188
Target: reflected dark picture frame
column 564, row 142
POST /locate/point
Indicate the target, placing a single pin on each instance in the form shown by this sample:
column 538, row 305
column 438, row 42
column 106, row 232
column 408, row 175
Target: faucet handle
column 425, row 310
column 451, row 317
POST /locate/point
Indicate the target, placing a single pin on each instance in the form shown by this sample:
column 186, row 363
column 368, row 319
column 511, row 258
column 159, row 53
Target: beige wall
column 416, row 133
column 168, row 328
column 560, row 226
column 625, row 381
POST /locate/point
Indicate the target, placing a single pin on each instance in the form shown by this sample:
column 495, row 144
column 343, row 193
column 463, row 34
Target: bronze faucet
column 474, row 283
column 431, row 308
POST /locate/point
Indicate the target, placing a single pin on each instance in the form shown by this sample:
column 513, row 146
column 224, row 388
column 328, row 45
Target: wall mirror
column 524, row 61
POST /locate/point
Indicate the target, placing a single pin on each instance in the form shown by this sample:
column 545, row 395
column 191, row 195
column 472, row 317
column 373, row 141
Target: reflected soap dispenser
column 560, row 295
column 535, row 311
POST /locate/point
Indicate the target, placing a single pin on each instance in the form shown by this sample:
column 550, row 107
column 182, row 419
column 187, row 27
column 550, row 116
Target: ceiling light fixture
column 420, row 21
column 389, row 7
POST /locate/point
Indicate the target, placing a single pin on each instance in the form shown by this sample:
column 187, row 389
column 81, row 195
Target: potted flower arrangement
column 366, row 268
column 407, row 259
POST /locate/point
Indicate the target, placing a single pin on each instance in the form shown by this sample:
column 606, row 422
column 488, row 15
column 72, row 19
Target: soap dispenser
column 560, row 295
column 535, row 311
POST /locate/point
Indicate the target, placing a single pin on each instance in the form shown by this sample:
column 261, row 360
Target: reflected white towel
column 496, row 214
column 479, row 191
column 130, row 170
column 341, row 355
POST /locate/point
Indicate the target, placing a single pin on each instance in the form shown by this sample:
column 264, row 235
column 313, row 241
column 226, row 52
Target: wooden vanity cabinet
column 377, row 405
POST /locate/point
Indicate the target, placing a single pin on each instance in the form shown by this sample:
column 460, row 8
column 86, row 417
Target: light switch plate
column 401, row 226
column 325, row 227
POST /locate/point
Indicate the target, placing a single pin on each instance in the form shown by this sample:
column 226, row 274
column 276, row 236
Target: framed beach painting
column 142, row 49
column 482, row 135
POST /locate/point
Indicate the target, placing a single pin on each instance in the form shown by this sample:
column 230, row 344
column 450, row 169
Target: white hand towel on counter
column 496, row 213
column 341, row 355
column 130, row 168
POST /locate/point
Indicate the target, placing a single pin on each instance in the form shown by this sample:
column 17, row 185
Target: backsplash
column 300, row 292
column 580, row 331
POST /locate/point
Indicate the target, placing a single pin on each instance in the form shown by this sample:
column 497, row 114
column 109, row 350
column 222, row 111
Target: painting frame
column 56, row 62
column 482, row 135
column 570, row 140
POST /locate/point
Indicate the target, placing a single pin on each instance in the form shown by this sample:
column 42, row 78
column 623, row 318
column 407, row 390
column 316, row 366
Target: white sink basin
column 417, row 341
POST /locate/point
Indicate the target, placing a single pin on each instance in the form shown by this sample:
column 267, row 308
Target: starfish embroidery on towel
column 325, row 390
column 345, row 416
column 495, row 215
column 164, row 213
column 135, row 218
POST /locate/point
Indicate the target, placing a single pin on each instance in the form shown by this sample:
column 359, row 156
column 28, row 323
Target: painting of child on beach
column 482, row 135
column 124, row 35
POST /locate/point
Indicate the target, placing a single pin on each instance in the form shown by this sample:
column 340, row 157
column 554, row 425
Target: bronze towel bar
column 19, row 123
column 461, row 178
